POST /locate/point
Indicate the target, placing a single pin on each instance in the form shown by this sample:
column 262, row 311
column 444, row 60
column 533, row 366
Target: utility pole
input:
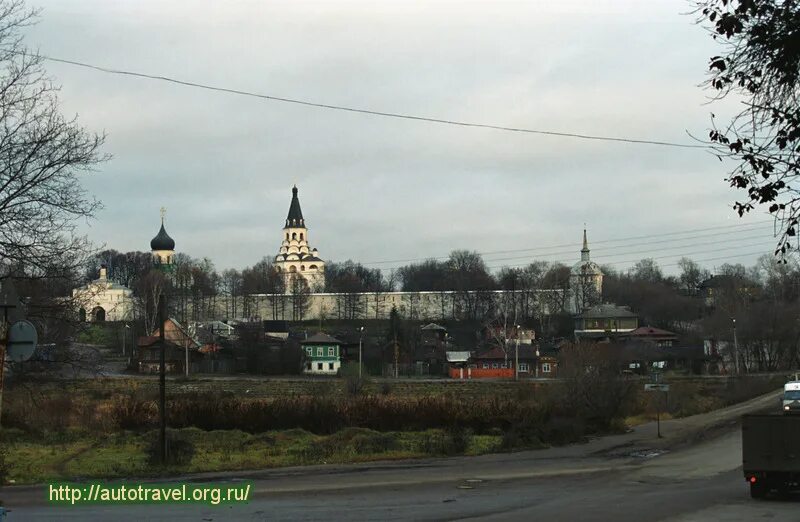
column 516, row 358
column 735, row 349
column 360, row 343
column 162, row 383
column 3, row 343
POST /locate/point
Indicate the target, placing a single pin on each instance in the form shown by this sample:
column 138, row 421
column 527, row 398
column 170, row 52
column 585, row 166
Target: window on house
column 331, row 352
column 523, row 367
column 330, row 366
column 495, row 366
column 485, row 366
column 545, row 367
column 319, row 366
column 320, row 351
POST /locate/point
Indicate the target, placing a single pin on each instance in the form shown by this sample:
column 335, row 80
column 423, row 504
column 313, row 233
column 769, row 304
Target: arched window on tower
column 294, row 235
column 287, row 236
column 302, row 268
column 301, row 236
column 292, row 269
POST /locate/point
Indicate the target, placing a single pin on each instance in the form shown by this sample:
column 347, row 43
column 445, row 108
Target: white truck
column 790, row 401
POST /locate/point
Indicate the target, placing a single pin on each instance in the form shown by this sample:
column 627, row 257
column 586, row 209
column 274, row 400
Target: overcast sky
column 376, row 189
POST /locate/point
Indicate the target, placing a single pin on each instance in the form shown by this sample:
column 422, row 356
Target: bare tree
column 300, row 296
column 42, row 154
column 148, row 291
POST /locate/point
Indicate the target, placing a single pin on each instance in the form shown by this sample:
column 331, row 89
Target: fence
column 481, row 373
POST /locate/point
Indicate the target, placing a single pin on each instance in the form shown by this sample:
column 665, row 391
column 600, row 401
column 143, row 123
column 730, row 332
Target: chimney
column 103, row 272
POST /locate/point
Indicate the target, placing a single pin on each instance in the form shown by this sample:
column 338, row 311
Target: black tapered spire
column 295, row 217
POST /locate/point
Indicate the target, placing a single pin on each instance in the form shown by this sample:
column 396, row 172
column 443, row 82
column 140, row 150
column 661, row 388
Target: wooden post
column 162, row 384
column 3, row 344
column 3, row 341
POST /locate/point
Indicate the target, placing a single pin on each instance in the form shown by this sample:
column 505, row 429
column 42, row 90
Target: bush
column 563, row 430
column 354, row 384
column 453, row 440
column 135, row 410
column 521, row 434
column 3, row 463
column 180, row 449
column 373, row 443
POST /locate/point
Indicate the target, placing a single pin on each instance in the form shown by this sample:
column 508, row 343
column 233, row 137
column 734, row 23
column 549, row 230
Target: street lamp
column 516, row 358
column 360, row 342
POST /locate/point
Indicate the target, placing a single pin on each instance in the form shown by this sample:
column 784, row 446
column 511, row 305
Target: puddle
column 646, row 453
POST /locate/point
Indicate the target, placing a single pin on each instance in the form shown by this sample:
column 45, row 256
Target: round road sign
column 22, row 339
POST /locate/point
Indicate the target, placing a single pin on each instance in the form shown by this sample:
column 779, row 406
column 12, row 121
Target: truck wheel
column 758, row 490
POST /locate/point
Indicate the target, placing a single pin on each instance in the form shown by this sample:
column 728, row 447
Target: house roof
column 146, row 341
column 648, row 352
column 433, row 326
column 607, row 310
column 715, row 281
column 458, row 357
column 321, row 338
column 649, row 331
column 185, row 339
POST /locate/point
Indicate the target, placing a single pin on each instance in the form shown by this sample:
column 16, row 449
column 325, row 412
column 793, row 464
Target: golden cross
column 163, row 213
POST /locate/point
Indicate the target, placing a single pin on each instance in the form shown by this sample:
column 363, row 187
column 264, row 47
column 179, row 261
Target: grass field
column 75, row 456
column 104, row 428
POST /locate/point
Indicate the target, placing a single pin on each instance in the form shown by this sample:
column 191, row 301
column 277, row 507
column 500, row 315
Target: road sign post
column 3, row 341
column 658, row 387
column 3, row 346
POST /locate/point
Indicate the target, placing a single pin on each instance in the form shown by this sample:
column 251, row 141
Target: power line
column 633, row 252
column 370, row 112
column 741, row 227
column 629, row 261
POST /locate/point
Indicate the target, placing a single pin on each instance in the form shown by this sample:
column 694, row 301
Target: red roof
column 649, row 331
column 147, row 340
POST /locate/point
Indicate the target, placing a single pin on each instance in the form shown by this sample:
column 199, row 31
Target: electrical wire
column 370, row 112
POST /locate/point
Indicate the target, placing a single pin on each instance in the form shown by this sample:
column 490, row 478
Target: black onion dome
column 295, row 217
column 162, row 241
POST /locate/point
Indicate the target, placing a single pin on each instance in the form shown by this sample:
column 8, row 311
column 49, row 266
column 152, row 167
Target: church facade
column 585, row 281
column 104, row 300
column 296, row 258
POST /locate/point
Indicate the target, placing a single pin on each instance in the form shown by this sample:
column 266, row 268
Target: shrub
column 373, row 443
column 354, row 384
column 563, row 430
column 180, row 449
column 134, row 410
column 3, row 463
column 453, row 440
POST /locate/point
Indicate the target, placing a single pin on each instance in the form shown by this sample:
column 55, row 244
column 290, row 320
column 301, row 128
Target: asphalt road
column 630, row 477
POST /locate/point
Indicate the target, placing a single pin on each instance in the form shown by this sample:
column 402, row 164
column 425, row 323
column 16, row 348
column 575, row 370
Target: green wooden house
column 323, row 354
